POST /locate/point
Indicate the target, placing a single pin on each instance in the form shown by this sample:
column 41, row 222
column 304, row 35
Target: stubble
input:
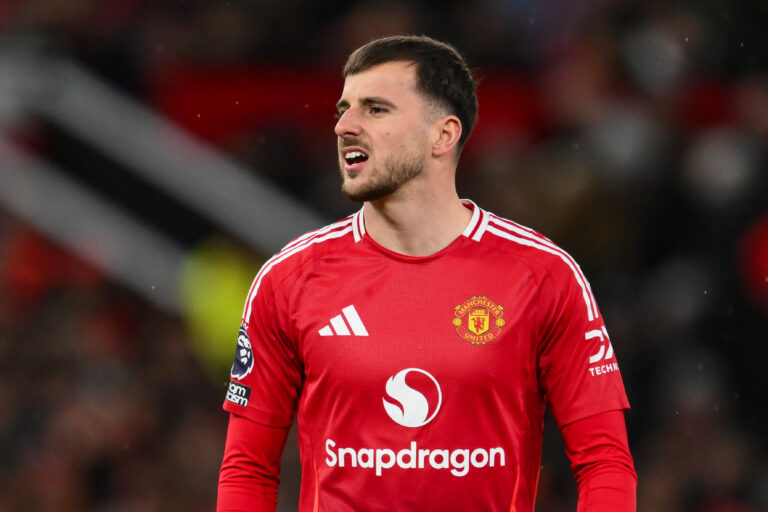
column 384, row 180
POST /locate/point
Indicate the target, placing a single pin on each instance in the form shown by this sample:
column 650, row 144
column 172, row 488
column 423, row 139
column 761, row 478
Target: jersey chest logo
column 478, row 320
column 414, row 407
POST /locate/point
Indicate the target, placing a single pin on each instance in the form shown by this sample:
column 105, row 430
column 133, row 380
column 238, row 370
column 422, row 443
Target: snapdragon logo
column 414, row 406
column 412, row 409
column 458, row 461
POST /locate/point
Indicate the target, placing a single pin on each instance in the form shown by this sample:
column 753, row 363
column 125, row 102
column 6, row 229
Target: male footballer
column 419, row 340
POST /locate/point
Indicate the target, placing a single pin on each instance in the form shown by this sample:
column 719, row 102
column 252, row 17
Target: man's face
column 382, row 131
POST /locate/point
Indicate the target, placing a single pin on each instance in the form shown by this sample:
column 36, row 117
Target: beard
column 384, row 180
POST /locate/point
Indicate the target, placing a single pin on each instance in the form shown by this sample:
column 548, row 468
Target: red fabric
column 250, row 472
column 597, row 447
column 600, row 460
column 374, row 353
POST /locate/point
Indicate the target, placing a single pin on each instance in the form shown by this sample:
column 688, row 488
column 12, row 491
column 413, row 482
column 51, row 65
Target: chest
column 468, row 321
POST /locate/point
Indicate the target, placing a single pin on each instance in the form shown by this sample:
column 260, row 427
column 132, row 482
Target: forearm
column 601, row 463
column 610, row 488
column 250, row 470
column 234, row 499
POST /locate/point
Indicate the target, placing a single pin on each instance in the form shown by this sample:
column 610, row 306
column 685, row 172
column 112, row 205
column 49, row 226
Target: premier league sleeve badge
column 243, row 363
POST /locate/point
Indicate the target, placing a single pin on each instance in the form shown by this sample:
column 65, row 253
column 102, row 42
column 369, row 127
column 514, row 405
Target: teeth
column 354, row 154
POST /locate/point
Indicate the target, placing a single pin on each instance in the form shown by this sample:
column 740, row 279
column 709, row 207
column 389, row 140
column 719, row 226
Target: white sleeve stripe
column 528, row 233
column 559, row 253
column 522, row 229
column 303, row 238
column 316, row 232
column 320, row 236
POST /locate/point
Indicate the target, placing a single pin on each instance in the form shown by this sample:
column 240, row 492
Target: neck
column 416, row 225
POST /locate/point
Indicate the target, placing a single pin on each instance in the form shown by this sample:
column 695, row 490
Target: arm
column 250, row 472
column 600, row 460
column 579, row 375
column 265, row 382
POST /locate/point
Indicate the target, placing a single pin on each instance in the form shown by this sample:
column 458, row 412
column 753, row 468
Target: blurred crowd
column 104, row 405
column 633, row 134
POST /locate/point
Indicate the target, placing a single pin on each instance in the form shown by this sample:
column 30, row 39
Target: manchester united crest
column 478, row 320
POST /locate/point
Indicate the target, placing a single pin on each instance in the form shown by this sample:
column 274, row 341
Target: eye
column 375, row 109
column 338, row 114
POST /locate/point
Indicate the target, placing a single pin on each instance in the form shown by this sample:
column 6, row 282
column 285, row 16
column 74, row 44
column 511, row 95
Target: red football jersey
column 420, row 382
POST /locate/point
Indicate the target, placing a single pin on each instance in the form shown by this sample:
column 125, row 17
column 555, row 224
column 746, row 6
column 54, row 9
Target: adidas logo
column 341, row 328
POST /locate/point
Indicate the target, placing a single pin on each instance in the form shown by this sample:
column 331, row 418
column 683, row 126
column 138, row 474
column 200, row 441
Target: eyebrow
column 373, row 100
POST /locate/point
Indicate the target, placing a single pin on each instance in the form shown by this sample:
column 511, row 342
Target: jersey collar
column 474, row 230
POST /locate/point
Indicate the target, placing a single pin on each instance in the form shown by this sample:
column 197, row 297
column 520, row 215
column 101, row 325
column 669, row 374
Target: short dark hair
column 442, row 75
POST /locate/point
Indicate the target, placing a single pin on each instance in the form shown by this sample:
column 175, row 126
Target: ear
column 448, row 133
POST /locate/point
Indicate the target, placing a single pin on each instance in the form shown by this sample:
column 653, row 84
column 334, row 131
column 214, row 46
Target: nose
column 348, row 124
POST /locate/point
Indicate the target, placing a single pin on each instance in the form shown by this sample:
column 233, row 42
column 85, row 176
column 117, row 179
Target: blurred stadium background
column 153, row 154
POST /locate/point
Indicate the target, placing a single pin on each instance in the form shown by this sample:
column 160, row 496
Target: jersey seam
column 522, row 259
column 260, row 416
column 616, row 404
column 310, row 259
column 544, row 268
column 279, row 283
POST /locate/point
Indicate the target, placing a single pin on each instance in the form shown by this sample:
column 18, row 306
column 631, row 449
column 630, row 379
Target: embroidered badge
column 478, row 320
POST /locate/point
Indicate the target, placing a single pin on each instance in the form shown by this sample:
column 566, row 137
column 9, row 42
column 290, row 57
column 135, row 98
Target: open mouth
column 355, row 157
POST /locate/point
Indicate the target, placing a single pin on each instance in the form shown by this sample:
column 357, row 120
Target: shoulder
column 548, row 261
column 330, row 238
column 521, row 242
column 306, row 248
column 299, row 254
